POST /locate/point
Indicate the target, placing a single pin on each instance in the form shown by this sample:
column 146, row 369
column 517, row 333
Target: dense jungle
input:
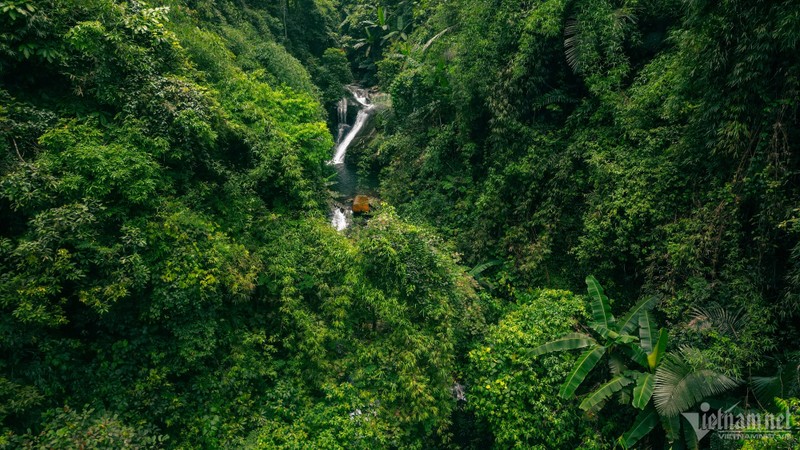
column 399, row 224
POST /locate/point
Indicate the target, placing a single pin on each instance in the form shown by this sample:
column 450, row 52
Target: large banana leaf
column 477, row 270
column 647, row 331
column 690, row 439
column 596, row 399
column 636, row 354
column 614, row 336
column 643, row 390
column 644, row 424
column 569, row 341
column 679, row 386
column 625, row 339
column 615, row 364
column 601, row 310
column 631, row 319
column 672, row 428
column 659, row 350
column 583, row 366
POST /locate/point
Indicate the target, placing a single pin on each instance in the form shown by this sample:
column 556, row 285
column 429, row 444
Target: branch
column 17, row 150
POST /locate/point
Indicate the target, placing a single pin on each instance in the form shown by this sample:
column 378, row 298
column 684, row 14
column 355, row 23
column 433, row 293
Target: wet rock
column 361, row 204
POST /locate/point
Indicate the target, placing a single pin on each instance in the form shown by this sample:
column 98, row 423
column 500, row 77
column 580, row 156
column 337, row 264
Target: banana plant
column 659, row 384
column 386, row 31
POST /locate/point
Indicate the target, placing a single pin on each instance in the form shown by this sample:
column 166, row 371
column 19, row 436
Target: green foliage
column 601, row 310
column 514, row 390
column 674, row 385
column 17, row 398
column 643, row 390
column 679, row 386
column 569, row 341
column 784, row 382
column 583, row 365
column 789, row 406
column 377, row 30
column 14, row 10
column 87, row 429
column 650, row 143
column 163, row 259
column 595, row 400
column 374, row 344
column 332, row 74
column 645, row 422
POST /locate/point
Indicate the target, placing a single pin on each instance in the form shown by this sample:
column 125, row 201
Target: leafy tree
column 662, row 385
column 86, row 429
column 515, row 392
column 164, row 258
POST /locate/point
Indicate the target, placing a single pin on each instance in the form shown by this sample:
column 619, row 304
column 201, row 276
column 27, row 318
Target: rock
column 361, row 204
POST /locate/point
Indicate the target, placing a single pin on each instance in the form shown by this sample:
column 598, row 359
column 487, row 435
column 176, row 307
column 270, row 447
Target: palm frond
column 726, row 322
column 616, row 365
column 767, row 388
column 784, row 382
column 679, row 386
column 433, row 39
column 622, row 15
column 571, row 44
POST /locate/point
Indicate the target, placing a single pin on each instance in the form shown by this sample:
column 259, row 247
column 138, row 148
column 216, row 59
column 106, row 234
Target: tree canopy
column 168, row 278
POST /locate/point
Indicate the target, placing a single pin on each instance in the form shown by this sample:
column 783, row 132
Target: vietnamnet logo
column 739, row 426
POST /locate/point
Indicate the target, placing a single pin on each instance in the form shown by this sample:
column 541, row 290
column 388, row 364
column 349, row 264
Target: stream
column 348, row 184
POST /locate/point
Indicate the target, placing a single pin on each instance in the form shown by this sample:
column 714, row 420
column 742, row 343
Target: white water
column 342, row 110
column 338, row 219
column 362, row 97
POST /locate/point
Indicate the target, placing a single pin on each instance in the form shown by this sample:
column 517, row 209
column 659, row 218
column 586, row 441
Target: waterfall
column 362, row 97
column 338, row 219
column 347, row 180
column 342, row 109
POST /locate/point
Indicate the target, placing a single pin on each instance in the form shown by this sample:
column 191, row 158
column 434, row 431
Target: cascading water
column 338, row 219
column 342, row 110
column 347, row 179
column 342, row 115
column 362, row 97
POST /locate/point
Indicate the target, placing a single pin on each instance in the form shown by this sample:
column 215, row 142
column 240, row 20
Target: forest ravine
column 399, row 224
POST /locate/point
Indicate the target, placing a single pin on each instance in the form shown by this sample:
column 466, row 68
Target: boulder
column 361, row 204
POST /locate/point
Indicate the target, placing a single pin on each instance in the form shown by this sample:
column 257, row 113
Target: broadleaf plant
column 663, row 384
